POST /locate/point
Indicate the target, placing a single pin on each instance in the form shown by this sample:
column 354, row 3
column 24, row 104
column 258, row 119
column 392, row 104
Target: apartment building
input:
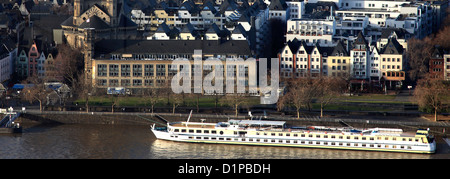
column 33, row 55
column 416, row 18
column 297, row 59
column 137, row 64
column 278, row 9
column 359, row 55
column 296, row 9
column 437, row 63
column 6, row 62
column 338, row 62
column 392, row 64
column 313, row 31
column 374, row 64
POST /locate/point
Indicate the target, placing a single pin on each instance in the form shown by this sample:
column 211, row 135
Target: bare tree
column 68, row 62
column 84, row 89
column 196, row 96
column 151, row 95
column 235, row 101
column 36, row 90
column 432, row 93
column 418, row 55
column 177, row 100
column 300, row 94
column 327, row 89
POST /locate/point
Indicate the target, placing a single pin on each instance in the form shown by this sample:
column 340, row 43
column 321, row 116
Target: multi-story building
column 376, row 17
column 338, row 62
column 392, row 64
column 447, row 67
column 137, row 64
column 33, row 55
column 370, row 4
column 296, row 9
column 415, row 18
column 348, row 27
column 278, row 9
column 359, row 54
column 439, row 13
column 401, row 35
column 313, row 31
column 5, row 63
column 22, row 63
column 374, row 64
column 437, row 63
column 297, row 59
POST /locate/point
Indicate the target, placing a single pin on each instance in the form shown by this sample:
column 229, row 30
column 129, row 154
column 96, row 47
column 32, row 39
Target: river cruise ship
column 277, row 133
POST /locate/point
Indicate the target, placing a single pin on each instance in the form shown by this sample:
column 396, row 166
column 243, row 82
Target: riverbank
column 408, row 122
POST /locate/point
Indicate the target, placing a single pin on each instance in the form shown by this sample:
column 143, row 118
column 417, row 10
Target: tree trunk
column 321, row 110
column 40, row 105
column 435, row 114
column 298, row 113
column 236, row 110
column 87, row 105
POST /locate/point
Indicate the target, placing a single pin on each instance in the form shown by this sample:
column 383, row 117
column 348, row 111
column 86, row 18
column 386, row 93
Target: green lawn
column 189, row 101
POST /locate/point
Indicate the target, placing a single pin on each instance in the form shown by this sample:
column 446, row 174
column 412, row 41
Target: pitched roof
column 95, row 22
column 110, row 46
column 340, row 48
column 277, row 5
column 68, row 22
column 400, row 33
column 360, row 40
column 228, row 5
column 392, row 47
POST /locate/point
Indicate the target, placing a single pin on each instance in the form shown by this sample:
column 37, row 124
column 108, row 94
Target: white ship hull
column 212, row 133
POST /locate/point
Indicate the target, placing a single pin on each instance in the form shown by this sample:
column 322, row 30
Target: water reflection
column 178, row 150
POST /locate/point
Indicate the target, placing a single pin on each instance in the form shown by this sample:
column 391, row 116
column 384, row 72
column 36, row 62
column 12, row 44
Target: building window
column 125, row 70
column 113, row 70
column 148, row 83
column 101, row 82
column 148, row 70
column 102, row 70
column 113, row 82
column 137, row 70
column 125, row 82
column 160, row 70
column 137, row 82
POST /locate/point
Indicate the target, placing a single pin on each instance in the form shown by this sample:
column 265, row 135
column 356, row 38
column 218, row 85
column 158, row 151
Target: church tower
column 111, row 5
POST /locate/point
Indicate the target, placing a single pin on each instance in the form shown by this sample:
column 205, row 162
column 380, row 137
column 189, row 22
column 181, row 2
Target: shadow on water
column 40, row 128
column 43, row 124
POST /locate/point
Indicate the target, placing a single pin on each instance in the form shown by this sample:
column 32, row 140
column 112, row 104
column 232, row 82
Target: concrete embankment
column 162, row 118
column 118, row 118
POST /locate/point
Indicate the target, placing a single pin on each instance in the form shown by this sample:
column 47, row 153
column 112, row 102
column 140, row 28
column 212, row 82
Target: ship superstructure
column 277, row 133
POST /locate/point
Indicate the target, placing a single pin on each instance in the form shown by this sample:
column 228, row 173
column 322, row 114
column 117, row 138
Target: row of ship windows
column 301, row 142
column 303, row 135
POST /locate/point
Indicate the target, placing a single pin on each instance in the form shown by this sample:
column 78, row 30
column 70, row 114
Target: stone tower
column 89, row 36
column 111, row 6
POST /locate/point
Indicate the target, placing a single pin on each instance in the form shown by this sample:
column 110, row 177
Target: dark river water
column 76, row 141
